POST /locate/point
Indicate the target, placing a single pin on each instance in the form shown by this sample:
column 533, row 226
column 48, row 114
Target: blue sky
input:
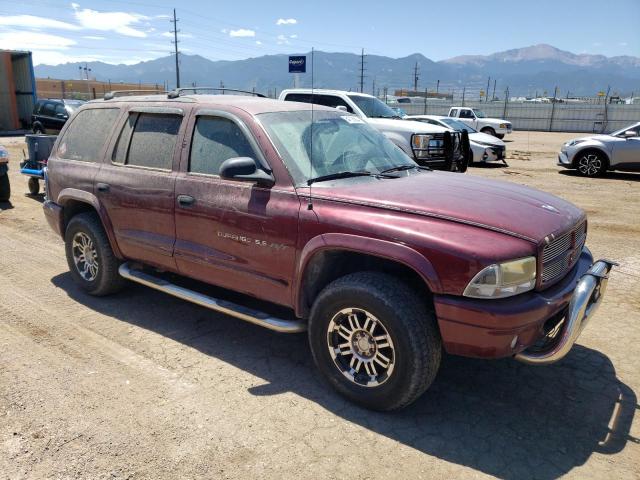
column 131, row 31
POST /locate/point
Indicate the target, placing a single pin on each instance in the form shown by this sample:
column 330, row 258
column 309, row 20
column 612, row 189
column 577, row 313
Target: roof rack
column 178, row 91
column 123, row 93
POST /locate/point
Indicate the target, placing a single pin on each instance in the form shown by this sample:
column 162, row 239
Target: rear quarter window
column 86, row 136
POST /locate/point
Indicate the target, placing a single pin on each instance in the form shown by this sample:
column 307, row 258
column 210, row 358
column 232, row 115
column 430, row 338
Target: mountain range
column 538, row 68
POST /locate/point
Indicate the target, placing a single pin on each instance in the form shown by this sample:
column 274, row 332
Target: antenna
column 310, row 204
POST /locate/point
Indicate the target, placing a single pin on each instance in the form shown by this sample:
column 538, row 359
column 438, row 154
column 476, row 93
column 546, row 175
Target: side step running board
column 222, row 306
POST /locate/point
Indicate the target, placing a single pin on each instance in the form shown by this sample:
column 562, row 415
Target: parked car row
column 317, row 210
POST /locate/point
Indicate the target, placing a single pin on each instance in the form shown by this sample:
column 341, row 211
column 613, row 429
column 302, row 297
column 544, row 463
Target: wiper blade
column 338, row 175
column 401, row 168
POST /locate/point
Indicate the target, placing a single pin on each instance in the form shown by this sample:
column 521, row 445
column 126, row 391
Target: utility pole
column 493, row 97
column 415, row 78
column 437, row 87
column 464, row 89
column 486, row 94
column 175, row 44
column 362, row 71
column 426, row 94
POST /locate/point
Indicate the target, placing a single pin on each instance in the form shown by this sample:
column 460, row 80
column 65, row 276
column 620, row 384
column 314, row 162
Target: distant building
column 82, row 89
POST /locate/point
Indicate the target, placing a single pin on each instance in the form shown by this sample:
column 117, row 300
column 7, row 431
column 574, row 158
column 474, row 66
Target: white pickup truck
column 476, row 119
column 429, row 145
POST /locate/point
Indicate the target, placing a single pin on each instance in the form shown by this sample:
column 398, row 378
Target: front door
column 231, row 233
column 626, row 152
column 136, row 185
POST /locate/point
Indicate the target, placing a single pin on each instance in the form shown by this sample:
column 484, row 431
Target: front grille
column 561, row 254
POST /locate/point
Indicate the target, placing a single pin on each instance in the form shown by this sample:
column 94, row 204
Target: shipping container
column 17, row 90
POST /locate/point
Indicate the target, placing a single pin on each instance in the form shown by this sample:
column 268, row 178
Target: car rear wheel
column 489, row 131
column 374, row 340
column 591, row 164
column 37, row 129
column 500, row 135
column 91, row 261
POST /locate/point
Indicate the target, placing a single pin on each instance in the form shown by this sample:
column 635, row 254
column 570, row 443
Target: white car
column 477, row 119
column 426, row 144
column 592, row 156
column 484, row 148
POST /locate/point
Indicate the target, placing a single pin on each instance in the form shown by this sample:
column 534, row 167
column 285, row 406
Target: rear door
column 136, row 184
column 232, row 233
column 47, row 117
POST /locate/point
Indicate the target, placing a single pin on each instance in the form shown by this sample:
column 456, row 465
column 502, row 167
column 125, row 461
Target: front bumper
column 494, row 154
column 507, row 327
column 563, row 160
column 54, row 216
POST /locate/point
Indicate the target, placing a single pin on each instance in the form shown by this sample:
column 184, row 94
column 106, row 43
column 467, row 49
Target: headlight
column 424, row 145
column 504, row 125
column 503, row 279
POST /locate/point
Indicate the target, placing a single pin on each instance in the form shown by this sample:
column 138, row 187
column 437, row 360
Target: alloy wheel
column 85, row 256
column 590, row 165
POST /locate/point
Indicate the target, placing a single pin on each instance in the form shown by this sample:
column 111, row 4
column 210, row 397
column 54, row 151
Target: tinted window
column 215, row 140
column 326, row 100
column 87, row 134
column 153, row 140
column 48, row 109
column 60, row 109
column 465, row 114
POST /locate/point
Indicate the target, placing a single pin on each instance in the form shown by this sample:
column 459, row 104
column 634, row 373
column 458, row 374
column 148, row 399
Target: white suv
column 428, row 145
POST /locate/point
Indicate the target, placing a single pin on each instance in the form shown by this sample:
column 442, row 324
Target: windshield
column 479, row 113
column 635, row 126
column 457, row 124
column 73, row 105
column 340, row 143
column 372, row 107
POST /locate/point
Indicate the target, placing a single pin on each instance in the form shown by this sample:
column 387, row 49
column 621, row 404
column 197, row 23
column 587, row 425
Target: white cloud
column 258, row 42
column 282, row 40
column 286, row 21
column 293, row 36
column 31, row 21
column 242, row 32
column 13, row 40
column 94, row 37
column 119, row 22
column 180, row 35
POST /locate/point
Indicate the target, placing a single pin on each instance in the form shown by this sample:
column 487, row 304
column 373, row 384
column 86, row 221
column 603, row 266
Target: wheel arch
column 74, row 201
column 330, row 256
column 591, row 148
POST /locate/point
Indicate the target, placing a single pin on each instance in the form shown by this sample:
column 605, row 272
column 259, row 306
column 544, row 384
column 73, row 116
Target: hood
column 400, row 125
column 597, row 138
column 500, row 206
column 486, row 139
column 493, row 120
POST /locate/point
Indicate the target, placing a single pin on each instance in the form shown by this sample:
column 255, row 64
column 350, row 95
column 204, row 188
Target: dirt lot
column 141, row 385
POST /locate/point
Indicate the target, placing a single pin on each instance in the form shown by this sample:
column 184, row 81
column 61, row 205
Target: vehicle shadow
column 501, row 418
column 489, row 165
column 628, row 176
column 38, row 197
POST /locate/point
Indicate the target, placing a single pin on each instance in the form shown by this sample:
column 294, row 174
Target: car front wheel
column 374, row 340
column 489, row 131
column 591, row 164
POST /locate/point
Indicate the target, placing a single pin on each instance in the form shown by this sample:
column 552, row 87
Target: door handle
column 102, row 187
column 186, row 200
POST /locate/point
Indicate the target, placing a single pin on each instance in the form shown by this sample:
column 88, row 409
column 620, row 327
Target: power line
column 175, row 43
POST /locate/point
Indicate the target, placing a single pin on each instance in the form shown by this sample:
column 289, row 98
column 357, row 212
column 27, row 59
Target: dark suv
column 386, row 263
column 50, row 115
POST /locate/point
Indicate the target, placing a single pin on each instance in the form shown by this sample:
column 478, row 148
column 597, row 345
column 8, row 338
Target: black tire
column 107, row 279
column 5, row 188
column 415, row 338
column 500, row 135
column 489, row 131
column 34, row 186
column 591, row 163
column 37, row 129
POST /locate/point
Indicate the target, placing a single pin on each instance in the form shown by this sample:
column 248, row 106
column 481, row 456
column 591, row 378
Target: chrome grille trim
column 561, row 254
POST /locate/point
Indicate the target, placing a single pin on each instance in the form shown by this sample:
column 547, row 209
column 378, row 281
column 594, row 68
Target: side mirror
column 342, row 108
column 245, row 169
column 630, row 133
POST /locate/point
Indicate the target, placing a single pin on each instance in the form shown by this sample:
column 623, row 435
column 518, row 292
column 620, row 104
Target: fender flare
column 387, row 250
column 68, row 194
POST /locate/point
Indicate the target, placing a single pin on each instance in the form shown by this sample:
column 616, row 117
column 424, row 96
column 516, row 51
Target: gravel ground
column 142, row 385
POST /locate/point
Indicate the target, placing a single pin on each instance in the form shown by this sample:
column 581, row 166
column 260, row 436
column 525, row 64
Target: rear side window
column 148, row 140
column 87, row 134
column 326, row 100
column 216, row 139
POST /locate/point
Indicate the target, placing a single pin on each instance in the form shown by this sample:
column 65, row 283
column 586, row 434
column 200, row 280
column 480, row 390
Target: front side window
column 216, row 139
column 454, row 113
column 333, row 143
column 466, row 114
column 148, row 140
column 87, row 134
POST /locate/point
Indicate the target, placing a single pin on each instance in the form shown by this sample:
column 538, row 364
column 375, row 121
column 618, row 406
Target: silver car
column 592, row 156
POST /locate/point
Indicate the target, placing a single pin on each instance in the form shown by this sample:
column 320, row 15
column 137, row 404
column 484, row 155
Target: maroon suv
column 384, row 262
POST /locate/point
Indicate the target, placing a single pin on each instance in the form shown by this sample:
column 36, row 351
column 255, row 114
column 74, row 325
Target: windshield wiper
column 401, row 168
column 347, row 174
